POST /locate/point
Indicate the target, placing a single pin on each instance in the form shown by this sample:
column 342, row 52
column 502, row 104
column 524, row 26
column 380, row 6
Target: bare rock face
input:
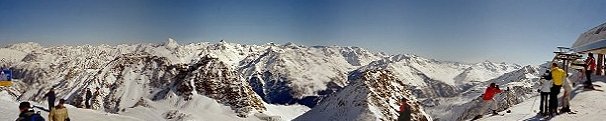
column 175, row 115
column 213, row 78
column 208, row 76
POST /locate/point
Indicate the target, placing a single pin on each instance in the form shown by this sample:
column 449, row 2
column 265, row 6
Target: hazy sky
column 524, row 32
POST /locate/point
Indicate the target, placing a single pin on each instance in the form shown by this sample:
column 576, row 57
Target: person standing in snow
column 589, row 69
column 545, row 84
column 405, row 112
column 59, row 112
column 50, row 97
column 89, row 95
column 558, row 76
column 488, row 99
column 95, row 101
column 96, row 92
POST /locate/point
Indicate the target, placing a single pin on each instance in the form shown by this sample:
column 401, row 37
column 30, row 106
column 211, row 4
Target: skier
column 557, row 75
column 59, row 112
column 405, row 112
column 89, row 95
column 50, row 96
column 589, row 69
column 488, row 99
column 566, row 97
column 545, row 89
column 28, row 114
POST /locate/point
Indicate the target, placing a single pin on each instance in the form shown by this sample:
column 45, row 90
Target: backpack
column 36, row 117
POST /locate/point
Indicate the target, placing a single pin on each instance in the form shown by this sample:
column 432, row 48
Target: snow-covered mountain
column 267, row 81
column 586, row 104
column 483, row 71
column 521, row 84
column 373, row 96
column 131, row 76
column 292, row 73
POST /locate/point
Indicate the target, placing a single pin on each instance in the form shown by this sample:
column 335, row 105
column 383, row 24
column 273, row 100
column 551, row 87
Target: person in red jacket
column 405, row 111
column 589, row 69
column 487, row 98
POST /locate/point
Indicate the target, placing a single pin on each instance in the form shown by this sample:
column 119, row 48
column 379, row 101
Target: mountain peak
column 291, row 45
column 26, row 47
column 171, row 43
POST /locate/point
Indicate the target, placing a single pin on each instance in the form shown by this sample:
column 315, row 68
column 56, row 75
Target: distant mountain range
column 268, row 82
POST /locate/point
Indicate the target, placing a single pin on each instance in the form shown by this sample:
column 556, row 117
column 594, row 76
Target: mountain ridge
column 267, row 75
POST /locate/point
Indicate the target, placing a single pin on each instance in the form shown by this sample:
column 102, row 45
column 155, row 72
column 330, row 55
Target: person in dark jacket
column 50, row 96
column 89, row 95
column 405, row 112
column 27, row 114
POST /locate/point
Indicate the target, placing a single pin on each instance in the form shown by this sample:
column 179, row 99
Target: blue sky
column 524, row 32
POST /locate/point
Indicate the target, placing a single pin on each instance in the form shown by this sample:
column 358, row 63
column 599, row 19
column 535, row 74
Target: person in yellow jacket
column 59, row 112
column 558, row 76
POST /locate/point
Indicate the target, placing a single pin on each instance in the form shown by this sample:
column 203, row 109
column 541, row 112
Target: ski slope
column 588, row 105
column 11, row 55
column 10, row 111
column 201, row 109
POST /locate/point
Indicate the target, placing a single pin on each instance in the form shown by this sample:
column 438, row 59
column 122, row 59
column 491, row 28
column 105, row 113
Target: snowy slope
column 373, row 97
column 588, row 105
column 203, row 109
column 10, row 111
column 129, row 75
column 521, row 83
column 290, row 73
column 11, row 55
column 482, row 72
column 408, row 66
column 417, row 70
column 155, row 81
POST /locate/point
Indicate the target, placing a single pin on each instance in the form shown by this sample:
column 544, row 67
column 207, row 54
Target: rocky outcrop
column 374, row 96
column 213, row 78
